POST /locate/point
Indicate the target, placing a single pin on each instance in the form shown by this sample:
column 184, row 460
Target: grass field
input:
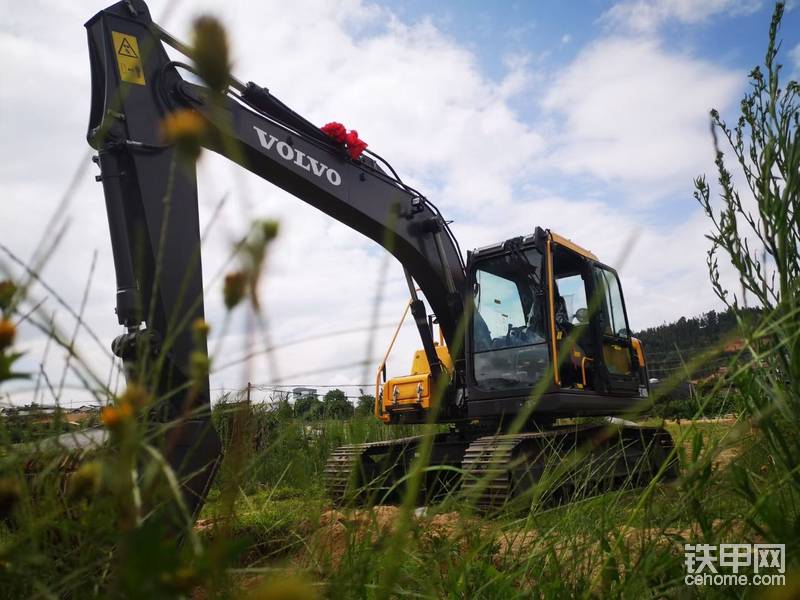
column 627, row 543
column 269, row 530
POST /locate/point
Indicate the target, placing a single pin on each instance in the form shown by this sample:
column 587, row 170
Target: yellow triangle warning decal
column 131, row 69
column 125, row 49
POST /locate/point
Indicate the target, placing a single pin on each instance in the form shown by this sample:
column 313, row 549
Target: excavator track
column 485, row 465
column 339, row 469
column 352, row 471
column 500, row 468
column 374, row 472
column 577, row 460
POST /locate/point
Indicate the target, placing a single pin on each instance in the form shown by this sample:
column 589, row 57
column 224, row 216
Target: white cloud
column 415, row 96
column 630, row 112
column 420, row 99
column 794, row 56
column 645, row 16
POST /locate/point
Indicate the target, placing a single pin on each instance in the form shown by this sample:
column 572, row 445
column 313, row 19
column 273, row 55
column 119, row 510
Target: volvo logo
column 301, row 159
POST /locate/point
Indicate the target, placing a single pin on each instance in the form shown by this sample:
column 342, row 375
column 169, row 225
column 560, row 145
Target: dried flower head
column 211, row 54
column 254, row 251
column 9, row 495
column 86, row 481
column 199, row 366
column 7, row 291
column 234, row 288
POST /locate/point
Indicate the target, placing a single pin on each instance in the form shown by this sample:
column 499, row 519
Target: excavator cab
column 548, row 324
column 549, row 320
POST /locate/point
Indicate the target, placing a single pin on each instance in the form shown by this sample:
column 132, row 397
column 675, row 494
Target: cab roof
column 562, row 241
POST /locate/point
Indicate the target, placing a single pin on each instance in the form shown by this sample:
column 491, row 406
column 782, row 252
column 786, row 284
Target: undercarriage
column 490, row 472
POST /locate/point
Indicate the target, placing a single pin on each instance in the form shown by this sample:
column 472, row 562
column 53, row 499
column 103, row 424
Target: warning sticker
column 128, row 58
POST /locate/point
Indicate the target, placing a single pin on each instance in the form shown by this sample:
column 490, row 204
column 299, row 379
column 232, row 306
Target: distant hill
column 670, row 345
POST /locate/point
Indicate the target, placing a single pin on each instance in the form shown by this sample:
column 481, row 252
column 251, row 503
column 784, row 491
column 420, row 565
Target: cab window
column 573, row 291
column 612, row 309
column 508, row 328
column 499, row 305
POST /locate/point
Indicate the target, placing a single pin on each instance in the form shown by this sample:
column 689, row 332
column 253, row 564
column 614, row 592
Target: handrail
column 583, row 368
column 382, row 366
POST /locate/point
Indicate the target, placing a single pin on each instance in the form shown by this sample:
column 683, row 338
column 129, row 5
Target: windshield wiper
column 533, row 272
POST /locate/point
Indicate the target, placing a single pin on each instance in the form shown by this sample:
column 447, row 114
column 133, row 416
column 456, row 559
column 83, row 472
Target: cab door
column 617, row 371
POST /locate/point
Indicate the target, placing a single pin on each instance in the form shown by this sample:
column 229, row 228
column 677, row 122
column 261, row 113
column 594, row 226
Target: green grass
column 600, row 539
column 271, row 516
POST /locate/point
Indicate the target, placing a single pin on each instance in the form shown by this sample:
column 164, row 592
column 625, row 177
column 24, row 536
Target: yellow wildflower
column 185, row 128
column 201, row 327
column 114, row 416
column 135, row 396
column 7, row 333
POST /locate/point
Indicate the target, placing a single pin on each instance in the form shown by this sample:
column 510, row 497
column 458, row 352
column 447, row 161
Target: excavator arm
column 152, row 207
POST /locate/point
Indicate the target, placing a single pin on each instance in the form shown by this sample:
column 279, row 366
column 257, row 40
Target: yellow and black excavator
column 532, row 329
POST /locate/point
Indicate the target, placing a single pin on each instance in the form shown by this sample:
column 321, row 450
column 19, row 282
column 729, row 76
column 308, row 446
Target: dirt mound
column 514, row 543
column 379, row 518
column 726, row 457
column 341, row 529
column 385, row 517
column 721, row 458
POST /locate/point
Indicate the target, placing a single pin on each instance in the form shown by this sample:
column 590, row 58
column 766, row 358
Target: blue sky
column 552, row 33
column 494, row 30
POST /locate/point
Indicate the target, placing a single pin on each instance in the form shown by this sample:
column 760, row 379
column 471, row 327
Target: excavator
column 533, row 335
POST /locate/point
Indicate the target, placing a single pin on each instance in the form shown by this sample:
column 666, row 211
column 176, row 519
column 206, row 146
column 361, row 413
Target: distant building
column 300, row 392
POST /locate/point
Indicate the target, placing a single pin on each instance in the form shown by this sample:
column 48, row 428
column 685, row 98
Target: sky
column 589, row 118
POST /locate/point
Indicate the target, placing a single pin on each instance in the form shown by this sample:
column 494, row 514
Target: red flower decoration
column 336, row 131
column 355, row 145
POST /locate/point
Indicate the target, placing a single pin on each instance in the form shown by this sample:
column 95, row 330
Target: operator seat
column 572, row 365
column 482, row 335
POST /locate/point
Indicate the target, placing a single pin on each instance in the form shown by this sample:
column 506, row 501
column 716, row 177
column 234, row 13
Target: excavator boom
column 151, row 201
